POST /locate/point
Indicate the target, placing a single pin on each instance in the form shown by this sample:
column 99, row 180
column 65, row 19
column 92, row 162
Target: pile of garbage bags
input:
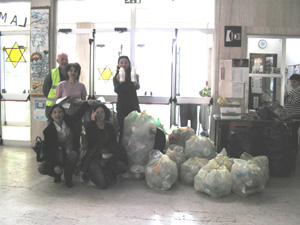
column 191, row 159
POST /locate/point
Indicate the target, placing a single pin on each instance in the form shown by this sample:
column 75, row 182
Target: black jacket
column 92, row 135
column 51, row 144
column 127, row 97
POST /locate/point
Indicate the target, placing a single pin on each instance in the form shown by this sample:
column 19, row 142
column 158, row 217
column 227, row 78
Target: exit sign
column 132, row 1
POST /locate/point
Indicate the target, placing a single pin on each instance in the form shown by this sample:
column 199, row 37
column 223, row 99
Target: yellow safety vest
column 55, row 80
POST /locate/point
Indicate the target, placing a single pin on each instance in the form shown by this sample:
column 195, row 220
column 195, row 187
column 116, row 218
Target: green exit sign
column 132, row 1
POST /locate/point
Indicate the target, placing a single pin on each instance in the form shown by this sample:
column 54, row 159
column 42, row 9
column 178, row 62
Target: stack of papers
column 64, row 102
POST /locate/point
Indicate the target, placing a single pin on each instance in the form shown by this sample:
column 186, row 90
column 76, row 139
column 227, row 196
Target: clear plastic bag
column 249, row 176
column 223, row 159
column 139, row 137
column 200, row 146
column 213, row 180
column 176, row 153
column 180, row 135
column 160, row 172
column 190, row 168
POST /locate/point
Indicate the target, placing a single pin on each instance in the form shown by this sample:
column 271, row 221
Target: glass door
column 108, row 47
column 194, row 49
column 15, row 85
column 194, row 69
column 156, row 63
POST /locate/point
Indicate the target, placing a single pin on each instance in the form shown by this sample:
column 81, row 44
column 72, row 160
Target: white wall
column 293, row 51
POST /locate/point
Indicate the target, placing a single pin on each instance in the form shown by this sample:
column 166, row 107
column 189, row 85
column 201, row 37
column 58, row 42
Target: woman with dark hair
column 60, row 143
column 72, row 88
column 76, row 92
column 105, row 157
column 126, row 90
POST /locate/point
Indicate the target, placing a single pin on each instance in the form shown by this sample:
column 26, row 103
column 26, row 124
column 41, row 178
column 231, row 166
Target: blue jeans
column 69, row 165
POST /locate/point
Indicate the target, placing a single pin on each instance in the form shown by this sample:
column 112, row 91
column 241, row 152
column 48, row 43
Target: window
column 148, row 40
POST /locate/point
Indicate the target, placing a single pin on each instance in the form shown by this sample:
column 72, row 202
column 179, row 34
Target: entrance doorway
column 15, row 85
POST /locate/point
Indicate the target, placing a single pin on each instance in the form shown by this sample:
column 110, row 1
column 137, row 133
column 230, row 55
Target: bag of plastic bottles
column 161, row 172
column 223, row 159
column 249, row 176
column 213, row 180
column 180, row 135
column 190, row 168
column 200, row 146
column 176, row 153
column 139, row 137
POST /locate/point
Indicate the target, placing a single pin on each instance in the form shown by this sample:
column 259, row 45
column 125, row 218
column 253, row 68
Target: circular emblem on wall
column 262, row 43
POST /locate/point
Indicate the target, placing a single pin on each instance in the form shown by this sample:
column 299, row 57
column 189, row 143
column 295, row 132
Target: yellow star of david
column 105, row 74
column 15, row 54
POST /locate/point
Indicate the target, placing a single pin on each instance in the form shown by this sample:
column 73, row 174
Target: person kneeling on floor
column 60, row 153
column 105, row 157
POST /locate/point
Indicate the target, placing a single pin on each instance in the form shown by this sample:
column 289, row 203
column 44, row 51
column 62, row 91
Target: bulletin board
column 234, row 74
column 39, row 48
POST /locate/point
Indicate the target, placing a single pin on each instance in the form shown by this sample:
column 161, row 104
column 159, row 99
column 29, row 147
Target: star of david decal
column 105, row 74
column 15, row 54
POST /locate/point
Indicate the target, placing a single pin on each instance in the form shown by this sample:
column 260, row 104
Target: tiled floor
column 27, row 198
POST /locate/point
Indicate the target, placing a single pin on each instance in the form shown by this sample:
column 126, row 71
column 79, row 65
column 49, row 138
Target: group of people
column 105, row 157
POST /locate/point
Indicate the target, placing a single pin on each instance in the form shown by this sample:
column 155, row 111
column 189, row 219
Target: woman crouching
column 61, row 153
column 105, row 157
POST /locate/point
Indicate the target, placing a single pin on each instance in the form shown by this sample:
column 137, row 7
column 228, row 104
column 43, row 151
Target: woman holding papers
column 75, row 92
column 71, row 88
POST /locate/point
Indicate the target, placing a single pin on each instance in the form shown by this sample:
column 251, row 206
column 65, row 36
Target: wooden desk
column 222, row 130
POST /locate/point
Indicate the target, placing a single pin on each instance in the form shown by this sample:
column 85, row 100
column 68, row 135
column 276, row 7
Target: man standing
column 52, row 79
column 292, row 104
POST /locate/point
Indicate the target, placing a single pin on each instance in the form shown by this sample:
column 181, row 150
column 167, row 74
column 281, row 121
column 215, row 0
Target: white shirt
column 63, row 130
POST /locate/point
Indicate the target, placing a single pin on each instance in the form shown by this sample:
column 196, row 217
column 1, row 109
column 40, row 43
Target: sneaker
column 111, row 176
column 58, row 170
column 57, row 179
column 85, row 177
column 69, row 183
column 77, row 171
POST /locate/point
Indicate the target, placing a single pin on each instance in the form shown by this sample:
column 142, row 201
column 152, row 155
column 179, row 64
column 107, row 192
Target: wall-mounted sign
column 232, row 36
column 133, row 1
column 14, row 16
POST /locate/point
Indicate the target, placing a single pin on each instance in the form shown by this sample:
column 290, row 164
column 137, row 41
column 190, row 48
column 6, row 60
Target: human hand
column 136, row 83
column 93, row 115
column 77, row 101
column 107, row 155
column 92, row 102
column 119, row 79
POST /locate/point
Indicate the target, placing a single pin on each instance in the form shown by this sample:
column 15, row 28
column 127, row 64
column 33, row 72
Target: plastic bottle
column 122, row 74
column 158, row 123
column 133, row 75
